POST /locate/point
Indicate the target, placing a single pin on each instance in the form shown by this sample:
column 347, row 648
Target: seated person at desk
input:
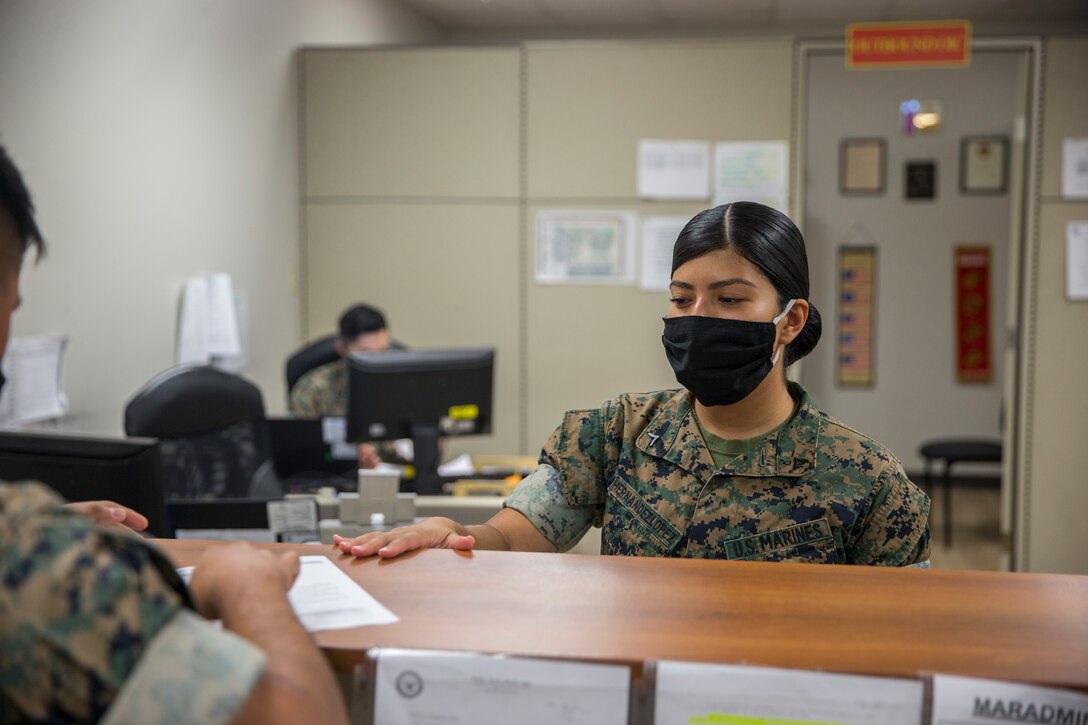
column 96, row 624
column 736, row 464
column 323, row 391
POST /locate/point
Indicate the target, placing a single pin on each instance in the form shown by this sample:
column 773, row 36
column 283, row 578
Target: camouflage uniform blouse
column 321, row 392
column 813, row 491
column 94, row 626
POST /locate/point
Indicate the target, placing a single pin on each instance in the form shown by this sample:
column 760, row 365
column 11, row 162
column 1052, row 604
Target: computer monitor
column 79, row 468
column 306, row 457
column 422, row 395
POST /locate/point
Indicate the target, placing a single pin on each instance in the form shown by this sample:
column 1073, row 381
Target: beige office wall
column 588, row 106
column 412, row 123
column 411, row 202
column 160, row 140
column 1053, row 536
column 362, row 22
column 590, row 103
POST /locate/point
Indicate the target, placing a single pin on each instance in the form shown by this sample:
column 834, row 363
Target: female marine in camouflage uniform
column 736, row 464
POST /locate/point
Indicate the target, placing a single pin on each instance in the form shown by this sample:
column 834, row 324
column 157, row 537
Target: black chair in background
column 311, row 355
column 211, row 428
column 314, row 354
column 952, row 451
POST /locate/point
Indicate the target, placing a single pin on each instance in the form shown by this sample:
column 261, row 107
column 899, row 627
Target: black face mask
column 720, row 361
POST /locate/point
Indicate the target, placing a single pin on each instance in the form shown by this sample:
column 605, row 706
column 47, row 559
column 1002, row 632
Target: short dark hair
column 768, row 239
column 15, row 201
column 360, row 320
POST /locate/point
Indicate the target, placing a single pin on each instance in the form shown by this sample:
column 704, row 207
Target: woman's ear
column 794, row 322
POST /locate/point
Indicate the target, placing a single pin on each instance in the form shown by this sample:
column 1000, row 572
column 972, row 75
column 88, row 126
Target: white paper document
column 585, row 247
column 323, row 597
column 756, row 171
column 459, row 466
column 1076, row 261
column 34, row 368
column 417, row 687
column 673, row 169
column 693, row 693
column 1075, row 168
column 208, row 323
column 659, row 234
column 971, row 701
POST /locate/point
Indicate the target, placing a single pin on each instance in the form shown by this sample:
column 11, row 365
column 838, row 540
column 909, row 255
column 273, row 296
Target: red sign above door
column 945, row 44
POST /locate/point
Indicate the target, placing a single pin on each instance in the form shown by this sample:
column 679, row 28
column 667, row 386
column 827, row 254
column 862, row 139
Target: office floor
column 976, row 530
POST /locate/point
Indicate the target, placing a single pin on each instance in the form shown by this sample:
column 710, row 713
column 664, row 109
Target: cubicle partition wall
column 424, row 169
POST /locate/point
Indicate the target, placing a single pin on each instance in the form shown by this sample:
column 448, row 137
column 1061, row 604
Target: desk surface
column 899, row 622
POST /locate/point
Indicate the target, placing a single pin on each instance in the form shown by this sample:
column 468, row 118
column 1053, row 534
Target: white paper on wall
column 673, row 169
column 658, row 237
column 752, row 171
column 1076, row 261
column 1075, row 168
column 34, row 391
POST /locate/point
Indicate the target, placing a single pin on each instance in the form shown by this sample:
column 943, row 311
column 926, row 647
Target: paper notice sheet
column 323, row 597
column 756, row 171
column 673, row 169
column 1076, row 260
column 690, row 693
column 416, row 687
column 659, row 234
column 34, row 391
column 971, row 701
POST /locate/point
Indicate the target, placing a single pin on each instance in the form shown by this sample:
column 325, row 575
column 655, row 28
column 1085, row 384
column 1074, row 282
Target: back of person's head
column 360, row 320
column 16, row 205
column 770, row 241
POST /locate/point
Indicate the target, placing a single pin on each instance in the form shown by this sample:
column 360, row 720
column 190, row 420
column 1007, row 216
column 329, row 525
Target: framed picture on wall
column 984, row 164
column 862, row 165
column 920, row 180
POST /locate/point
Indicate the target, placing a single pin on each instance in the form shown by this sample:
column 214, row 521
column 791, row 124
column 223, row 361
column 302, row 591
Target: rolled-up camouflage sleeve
column 565, row 496
column 192, row 672
column 541, row 499
column 895, row 532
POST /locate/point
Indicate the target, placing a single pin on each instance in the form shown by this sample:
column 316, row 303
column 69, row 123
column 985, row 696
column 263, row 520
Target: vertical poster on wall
column 973, row 314
column 857, row 276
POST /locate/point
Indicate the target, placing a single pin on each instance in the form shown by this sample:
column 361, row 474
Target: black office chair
column 212, row 433
column 952, row 451
column 314, row 354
